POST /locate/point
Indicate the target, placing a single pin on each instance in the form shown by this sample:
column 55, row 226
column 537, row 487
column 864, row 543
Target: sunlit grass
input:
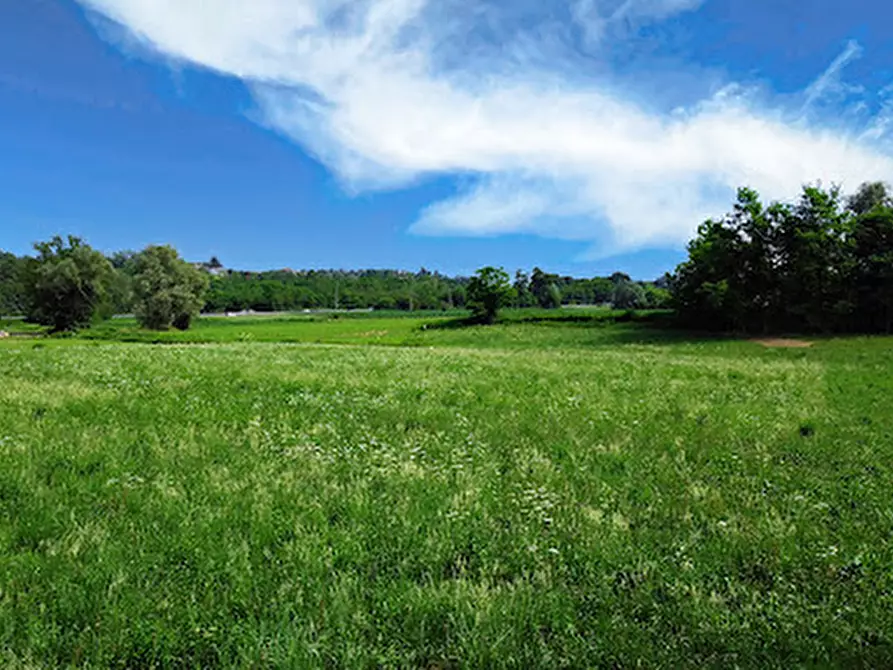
column 590, row 498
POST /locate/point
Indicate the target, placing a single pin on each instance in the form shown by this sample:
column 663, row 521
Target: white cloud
column 598, row 18
column 386, row 92
column 830, row 82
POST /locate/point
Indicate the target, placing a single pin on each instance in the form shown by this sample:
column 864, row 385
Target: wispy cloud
column 830, row 82
column 600, row 20
column 387, row 92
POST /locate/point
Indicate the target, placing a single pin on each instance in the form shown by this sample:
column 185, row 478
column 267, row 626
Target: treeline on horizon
column 285, row 290
column 289, row 290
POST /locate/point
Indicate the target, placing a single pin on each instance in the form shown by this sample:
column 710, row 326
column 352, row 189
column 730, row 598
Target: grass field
column 530, row 495
column 527, row 328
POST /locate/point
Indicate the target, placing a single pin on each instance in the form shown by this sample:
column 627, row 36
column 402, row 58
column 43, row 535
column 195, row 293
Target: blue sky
column 583, row 136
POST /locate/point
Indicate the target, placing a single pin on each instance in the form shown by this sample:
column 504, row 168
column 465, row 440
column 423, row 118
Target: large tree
column 66, row 283
column 488, row 291
column 167, row 290
column 813, row 262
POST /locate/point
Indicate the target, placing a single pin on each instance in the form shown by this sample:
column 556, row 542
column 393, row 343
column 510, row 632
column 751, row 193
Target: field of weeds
column 591, row 498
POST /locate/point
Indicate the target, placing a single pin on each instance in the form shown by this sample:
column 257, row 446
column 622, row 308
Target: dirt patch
column 783, row 343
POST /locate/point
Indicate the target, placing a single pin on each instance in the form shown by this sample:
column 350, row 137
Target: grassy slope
column 556, row 495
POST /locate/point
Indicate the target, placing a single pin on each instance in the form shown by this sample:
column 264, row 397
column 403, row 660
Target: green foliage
column 488, row 291
column 167, row 290
column 813, row 266
column 284, row 290
column 544, row 288
column 872, row 269
column 657, row 297
column 66, row 283
column 629, row 295
column 12, row 291
column 523, row 296
column 871, row 195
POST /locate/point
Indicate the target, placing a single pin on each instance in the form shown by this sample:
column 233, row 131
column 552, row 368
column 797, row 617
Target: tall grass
column 560, row 503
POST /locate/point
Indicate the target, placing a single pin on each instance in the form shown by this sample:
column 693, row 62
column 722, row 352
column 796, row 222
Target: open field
column 527, row 328
column 534, row 494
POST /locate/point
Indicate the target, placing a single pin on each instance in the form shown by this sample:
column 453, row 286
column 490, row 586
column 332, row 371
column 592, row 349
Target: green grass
column 18, row 326
column 527, row 328
column 531, row 495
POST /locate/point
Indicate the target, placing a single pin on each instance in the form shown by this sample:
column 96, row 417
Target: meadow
column 582, row 491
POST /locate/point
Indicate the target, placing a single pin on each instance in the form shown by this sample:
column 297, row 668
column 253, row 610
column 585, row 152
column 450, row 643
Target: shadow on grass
column 604, row 317
column 651, row 333
column 613, row 327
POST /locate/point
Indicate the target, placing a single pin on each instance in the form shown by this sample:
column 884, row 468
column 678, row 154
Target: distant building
column 212, row 269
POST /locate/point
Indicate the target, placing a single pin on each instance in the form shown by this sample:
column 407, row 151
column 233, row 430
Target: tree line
column 821, row 264
column 67, row 284
column 284, row 290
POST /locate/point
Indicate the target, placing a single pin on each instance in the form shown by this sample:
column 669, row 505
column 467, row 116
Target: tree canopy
column 488, row 291
column 65, row 284
column 167, row 290
column 815, row 265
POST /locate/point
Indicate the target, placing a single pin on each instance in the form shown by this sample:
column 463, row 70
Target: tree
column 65, row 283
column 813, row 262
column 601, row 290
column 553, row 300
column 541, row 286
column 872, row 276
column 168, row 291
column 731, row 280
column 628, row 295
column 871, row 195
column 12, row 298
column 488, row 291
column 119, row 298
column 122, row 259
column 523, row 297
